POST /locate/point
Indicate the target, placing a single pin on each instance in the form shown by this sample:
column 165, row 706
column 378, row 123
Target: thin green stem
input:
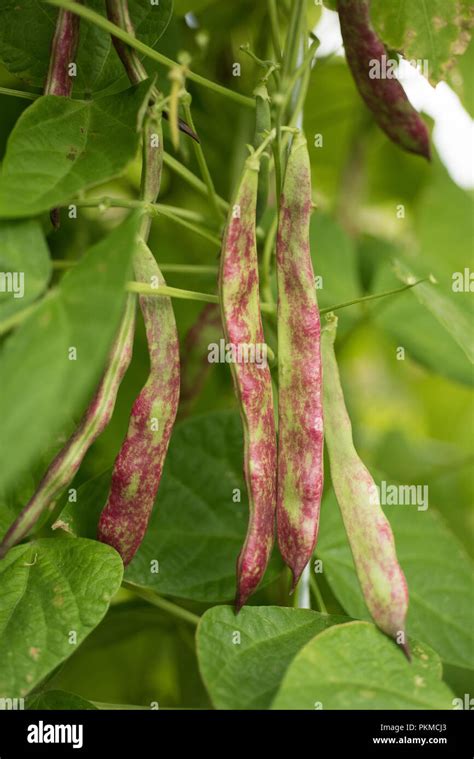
column 188, row 225
column 196, row 269
column 162, row 603
column 263, row 145
column 291, row 41
column 171, row 292
column 201, row 159
column 105, row 202
column 121, row 34
column 191, row 179
column 299, row 73
column 17, row 318
column 376, row 296
column 267, row 258
column 153, row 209
column 18, row 93
column 274, row 29
column 317, row 594
column 174, row 292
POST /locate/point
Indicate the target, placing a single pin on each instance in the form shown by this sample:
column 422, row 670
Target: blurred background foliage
column 412, row 418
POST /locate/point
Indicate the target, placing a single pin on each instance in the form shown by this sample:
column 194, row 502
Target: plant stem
column 205, row 173
column 174, row 292
column 317, row 593
column 153, row 209
column 19, row 93
column 274, row 29
column 107, row 26
column 303, row 596
column 376, row 296
column 192, row 179
column 162, row 603
column 106, row 201
column 267, row 257
column 197, row 269
column 188, row 225
column 299, row 73
column 171, row 292
column 15, row 319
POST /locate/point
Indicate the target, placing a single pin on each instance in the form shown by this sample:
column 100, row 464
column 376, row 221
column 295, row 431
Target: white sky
column 453, row 133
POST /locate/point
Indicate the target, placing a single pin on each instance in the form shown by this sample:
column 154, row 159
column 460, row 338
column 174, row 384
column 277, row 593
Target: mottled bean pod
column 384, row 95
column 96, row 418
column 242, row 324
column 300, row 417
column 368, row 530
column 58, row 80
column 138, row 467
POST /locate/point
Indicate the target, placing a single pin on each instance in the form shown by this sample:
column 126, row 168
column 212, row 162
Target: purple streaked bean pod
column 242, row 324
column 368, row 530
column 138, row 467
column 300, row 415
column 384, row 96
column 96, row 418
column 58, row 81
column 118, row 13
column 63, row 51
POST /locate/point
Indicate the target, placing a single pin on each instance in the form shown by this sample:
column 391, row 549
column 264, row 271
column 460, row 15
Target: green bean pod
column 300, row 413
column 66, row 464
column 370, row 535
column 242, row 324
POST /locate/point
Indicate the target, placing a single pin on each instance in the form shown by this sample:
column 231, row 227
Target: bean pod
column 67, row 462
column 58, row 81
column 300, row 416
column 385, row 97
column 242, row 324
column 370, row 535
column 138, row 467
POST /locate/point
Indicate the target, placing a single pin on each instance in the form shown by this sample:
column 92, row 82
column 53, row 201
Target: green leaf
column 462, row 81
column 244, row 657
column 42, row 389
column 58, row 700
column 196, row 530
column 51, row 588
column 419, row 322
column 25, row 255
column 438, row 573
column 331, row 110
column 137, row 656
column 59, row 147
column 435, row 32
column 27, row 28
column 446, row 310
column 335, row 261
column 355, row 666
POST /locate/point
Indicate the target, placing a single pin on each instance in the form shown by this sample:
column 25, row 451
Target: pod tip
column 406, row 650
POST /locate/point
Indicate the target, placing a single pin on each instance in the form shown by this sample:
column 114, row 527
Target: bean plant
column 236, row 357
